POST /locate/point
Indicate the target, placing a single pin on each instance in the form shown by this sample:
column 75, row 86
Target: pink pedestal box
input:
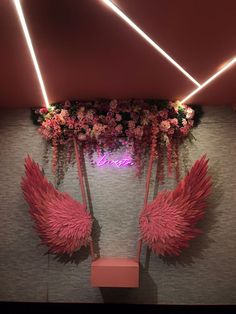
column 115, row 272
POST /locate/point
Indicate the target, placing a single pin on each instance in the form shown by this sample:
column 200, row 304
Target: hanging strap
column 149, row 174
column 80, row 174
column 82, row 188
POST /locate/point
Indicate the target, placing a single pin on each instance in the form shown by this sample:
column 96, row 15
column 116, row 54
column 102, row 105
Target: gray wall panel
column 204, row 274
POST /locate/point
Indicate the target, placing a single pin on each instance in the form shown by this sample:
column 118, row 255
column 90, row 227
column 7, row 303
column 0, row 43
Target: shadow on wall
column 84, row 252
column 146, row 294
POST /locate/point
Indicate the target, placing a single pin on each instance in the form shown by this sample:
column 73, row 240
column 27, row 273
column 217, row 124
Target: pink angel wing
column 168, row 223
column 61, row 222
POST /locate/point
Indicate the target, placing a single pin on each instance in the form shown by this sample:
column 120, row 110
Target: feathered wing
column 168, row 223
column 61, row 222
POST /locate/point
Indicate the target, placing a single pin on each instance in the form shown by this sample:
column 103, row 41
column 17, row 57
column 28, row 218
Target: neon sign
column 105, row 160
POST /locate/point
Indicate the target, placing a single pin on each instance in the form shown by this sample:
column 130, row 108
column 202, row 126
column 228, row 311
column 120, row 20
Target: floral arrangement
column 107, row 125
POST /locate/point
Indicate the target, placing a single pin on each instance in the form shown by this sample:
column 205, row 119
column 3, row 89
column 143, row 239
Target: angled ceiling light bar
column 208, row 81
column 149, row 40
column 31, row 49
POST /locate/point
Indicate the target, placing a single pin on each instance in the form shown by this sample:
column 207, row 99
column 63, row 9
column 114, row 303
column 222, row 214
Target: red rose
column 43, row 110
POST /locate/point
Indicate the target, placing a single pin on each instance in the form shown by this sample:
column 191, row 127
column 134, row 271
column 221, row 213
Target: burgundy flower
column 82, row 137
column 112, row 123
column 163, row 114
column 67, row 104
column 109, row 118
column 138, row 131
column 134, row 116
column 171, row 131
column 118, row 117
column 90, row 115
column 131, row 124
column 113, row 104
column 43, row 110
column 185, row 130
column 119, row 128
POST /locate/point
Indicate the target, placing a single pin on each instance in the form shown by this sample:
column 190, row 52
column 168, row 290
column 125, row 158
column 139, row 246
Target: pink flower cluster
column 131, row 121
column 107, row 125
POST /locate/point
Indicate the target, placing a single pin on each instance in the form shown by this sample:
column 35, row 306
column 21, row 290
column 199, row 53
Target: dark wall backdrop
column 204, row 274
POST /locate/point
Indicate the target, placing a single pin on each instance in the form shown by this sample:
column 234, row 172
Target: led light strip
column 138, row 30
column 149, row 40
column 159, row 49
column 31, row 49
column 208, row 81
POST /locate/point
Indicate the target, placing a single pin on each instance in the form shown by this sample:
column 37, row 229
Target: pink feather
column 62, row 222
column 168, row 223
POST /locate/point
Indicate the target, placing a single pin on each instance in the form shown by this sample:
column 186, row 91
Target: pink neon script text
column 118, row 163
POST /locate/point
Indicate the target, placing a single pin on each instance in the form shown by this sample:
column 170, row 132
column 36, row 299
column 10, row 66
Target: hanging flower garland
column 107, row 125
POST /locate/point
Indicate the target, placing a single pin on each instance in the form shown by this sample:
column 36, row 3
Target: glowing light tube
column 31, row 49
column 213, row 77
column 149, row 40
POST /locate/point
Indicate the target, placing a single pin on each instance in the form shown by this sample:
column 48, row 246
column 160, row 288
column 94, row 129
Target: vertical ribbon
column 80, row 174
column 149, row 174
column 82, row 188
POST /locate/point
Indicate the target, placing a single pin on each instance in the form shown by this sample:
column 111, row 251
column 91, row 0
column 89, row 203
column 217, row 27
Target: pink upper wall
column 86, row 51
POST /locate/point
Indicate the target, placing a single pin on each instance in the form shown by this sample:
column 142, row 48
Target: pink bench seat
column 115, row 272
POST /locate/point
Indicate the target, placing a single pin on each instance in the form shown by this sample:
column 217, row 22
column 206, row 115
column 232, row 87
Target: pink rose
column 131, row 124
column 112, row 123
column 70, row 122
column 164, row 126
column 138, row 131
column 155, row 130
column 80, row 114
column 171, row 131
column 118, row 117
column 98, row 129
column 43, row 110
column 89, row 115
column 82, row 137
column 184, row 130
column 61, row 119
column 189, row 113
column 174, row 121
column 64, row 113
column 119, row 128
column 190, row 122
